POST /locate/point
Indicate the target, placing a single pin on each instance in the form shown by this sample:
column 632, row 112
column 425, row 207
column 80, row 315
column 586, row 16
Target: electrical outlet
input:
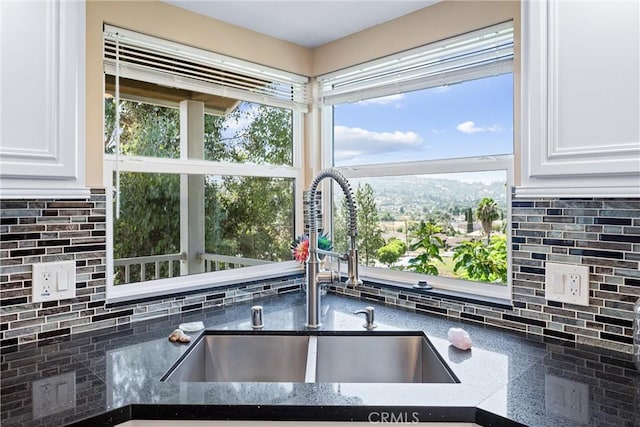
column 567, row 398
column 574, row 284
column 567, row 283
column 53, row 281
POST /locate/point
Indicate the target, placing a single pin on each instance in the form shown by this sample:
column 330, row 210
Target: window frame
column 116, row 293
column 422, row 167
column 114, row 163
column 426, row 167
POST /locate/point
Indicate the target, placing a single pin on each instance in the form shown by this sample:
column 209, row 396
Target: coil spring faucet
column 314, row 276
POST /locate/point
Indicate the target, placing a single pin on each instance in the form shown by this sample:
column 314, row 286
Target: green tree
column 487, row 212
column 251, row 217
column 430, row 243
column 369, row 232
column 369, row 238
column 482, row 262
column 392, row 251
column 258, row 220
column 468, row 215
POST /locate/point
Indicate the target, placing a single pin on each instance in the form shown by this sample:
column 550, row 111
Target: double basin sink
column 311, row 357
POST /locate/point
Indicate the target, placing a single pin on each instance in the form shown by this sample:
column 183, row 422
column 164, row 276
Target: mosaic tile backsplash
column 34, row 231
column 603, row 234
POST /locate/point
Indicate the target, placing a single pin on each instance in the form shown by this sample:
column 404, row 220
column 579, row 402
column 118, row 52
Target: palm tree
column 487, row 212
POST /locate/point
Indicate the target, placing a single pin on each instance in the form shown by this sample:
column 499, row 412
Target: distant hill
column 415, row 195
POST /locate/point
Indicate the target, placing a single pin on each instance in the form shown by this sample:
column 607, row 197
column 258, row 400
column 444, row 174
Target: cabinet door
column 42, row 98
column 581, row 97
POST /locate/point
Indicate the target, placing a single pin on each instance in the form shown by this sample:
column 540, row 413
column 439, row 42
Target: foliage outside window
column 435, row 225
column 245, row 217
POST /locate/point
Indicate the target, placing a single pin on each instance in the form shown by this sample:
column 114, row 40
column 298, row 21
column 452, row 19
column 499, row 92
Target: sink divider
column 312, row 360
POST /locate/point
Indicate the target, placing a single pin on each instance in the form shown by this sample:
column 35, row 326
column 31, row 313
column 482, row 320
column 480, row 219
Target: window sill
column 488, row 294
column 197, row 283
column 496, row 296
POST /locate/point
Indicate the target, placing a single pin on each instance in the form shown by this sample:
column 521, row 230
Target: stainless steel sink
column 379, row 359
column 311, row 356
column 244, row 358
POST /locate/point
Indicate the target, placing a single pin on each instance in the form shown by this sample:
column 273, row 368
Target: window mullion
column 199, row 167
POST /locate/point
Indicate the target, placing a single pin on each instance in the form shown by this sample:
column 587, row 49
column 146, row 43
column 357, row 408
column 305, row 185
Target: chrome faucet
column 314, row 276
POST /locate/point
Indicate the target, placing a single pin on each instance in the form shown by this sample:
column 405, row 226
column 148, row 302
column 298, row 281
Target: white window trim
column 152, row 71
column 194, row 282
column 476, row 54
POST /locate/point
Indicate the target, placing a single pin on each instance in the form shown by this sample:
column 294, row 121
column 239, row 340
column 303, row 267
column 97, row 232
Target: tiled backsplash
column 601, row 233
column 49, row 230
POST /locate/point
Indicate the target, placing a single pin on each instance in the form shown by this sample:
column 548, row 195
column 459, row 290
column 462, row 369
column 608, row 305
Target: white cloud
column 383, row 100
column 356, row 143
column 470, row 127
column 438, row 131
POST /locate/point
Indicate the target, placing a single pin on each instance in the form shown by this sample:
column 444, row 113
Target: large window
column 426, row 140
column 202, row 163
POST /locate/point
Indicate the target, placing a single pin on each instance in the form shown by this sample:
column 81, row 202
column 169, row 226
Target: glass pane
column 234, row 131
column 450, row 225
column 245, row 221
column 146, row 236
column 146, row 129
column 251, row 133
column 249, row 217
column 473, row 118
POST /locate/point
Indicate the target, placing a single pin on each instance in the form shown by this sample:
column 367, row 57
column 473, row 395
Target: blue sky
column 468, row 119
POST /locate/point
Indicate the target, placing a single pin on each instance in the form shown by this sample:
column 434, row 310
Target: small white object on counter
column 178, row 336
column 191, row 326
column 459, row 338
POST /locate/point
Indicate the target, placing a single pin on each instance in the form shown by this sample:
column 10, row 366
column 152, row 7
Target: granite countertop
column 110, row 376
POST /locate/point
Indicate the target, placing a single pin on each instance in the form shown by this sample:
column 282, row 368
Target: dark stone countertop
column 111, row 376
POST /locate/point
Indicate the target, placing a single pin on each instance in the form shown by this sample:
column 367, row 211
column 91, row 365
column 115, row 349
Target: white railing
column 214, row 262
column 146, row 268
column 136, row 269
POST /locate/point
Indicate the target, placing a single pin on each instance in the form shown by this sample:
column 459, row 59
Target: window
column 202, row 164
column 426, row 140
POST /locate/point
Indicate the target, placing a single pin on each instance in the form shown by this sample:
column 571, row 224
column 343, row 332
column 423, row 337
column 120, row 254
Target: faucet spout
column 313, row 277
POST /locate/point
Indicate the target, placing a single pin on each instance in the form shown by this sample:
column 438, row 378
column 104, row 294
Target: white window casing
column 163, row 62
column 481, row 53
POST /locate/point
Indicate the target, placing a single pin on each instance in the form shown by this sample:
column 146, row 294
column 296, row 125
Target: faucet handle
column 369, row 315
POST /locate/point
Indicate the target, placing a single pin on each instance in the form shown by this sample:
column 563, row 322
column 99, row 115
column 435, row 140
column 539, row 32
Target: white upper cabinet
column 580, row 116
column 42, row 99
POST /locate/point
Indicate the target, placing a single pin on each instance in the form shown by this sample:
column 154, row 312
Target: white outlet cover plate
column 53, row 270
column 557, row 283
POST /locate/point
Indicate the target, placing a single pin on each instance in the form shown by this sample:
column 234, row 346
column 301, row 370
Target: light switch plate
column 567, row 283
column 53, row 281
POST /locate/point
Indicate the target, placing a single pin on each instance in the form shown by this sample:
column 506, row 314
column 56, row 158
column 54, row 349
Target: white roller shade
column 166, row 63
column 482, row 53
